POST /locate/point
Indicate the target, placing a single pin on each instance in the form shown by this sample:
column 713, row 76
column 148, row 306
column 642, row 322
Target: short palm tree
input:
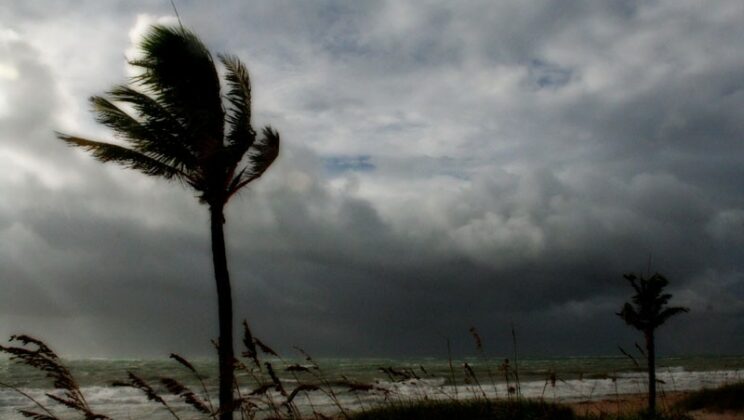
column 175, row 123
column 649, row 311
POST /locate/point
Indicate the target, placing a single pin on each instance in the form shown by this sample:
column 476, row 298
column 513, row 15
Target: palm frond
column 116, row 119
column 630, row 316
column 239, row 98
column 239, row 82
column 262, row 155
column 240, row 134
column 649, row 309
column 179, row 72
column 173, row 121
column 632, row 279
column 150, row 111
column 237, row 180
column 264, row 152
column 106, row 152
column 143, row 137
column 670, row 312
column 659, row 280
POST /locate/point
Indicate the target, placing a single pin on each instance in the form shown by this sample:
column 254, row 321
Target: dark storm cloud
column 445, row 166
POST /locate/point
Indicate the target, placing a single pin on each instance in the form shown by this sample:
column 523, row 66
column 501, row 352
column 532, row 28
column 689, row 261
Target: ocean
column 558, row 379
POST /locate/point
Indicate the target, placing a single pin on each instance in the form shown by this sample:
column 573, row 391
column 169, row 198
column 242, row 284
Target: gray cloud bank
column 445, row 166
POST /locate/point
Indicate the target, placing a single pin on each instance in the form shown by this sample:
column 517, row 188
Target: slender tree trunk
column 224, row 306
column 651, row 353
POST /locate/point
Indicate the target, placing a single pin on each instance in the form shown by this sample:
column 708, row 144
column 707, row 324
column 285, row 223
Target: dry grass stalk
column 41, row 357
column 199, row 377
column 136, row 382
column 189, row 397
column 518, row 388
column 27, row 413
column 470, row 375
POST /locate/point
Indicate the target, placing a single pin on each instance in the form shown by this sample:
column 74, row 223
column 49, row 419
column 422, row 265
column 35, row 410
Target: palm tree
column 175, row 124
column 646, row 314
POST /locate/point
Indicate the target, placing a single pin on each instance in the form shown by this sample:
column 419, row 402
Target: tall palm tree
column 649, row 311
column 174, row 123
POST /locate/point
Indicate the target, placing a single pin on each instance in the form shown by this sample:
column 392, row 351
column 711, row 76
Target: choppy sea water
column 575, row 378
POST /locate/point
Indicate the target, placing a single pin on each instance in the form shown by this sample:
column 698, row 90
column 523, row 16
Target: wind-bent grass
column 34, row 353
column 264, row 393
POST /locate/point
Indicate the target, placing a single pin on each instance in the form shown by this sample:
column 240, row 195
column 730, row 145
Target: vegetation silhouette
column 181, row 128
column 36, row 354
column 269, row 386
column 648, row 311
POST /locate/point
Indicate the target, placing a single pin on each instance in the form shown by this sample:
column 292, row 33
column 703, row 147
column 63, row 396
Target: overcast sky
column 444, row 165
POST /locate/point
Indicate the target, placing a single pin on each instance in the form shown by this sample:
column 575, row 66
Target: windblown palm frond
column 649, row 309
column 178, row 71
column 668, row 313
column 175, row 126
column 240, row 132
column 107, row 152
column 155, row 138
column 630, row 316
column 261, row 155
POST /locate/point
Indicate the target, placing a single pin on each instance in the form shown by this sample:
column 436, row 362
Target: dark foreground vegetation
column 473, row 409
column 725, row 398
column 498, row 410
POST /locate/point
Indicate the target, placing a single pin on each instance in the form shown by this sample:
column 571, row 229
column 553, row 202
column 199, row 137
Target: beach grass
column 266, row 393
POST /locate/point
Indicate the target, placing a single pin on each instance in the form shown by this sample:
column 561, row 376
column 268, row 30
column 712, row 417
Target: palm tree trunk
column 224, row 306
column 651, row 353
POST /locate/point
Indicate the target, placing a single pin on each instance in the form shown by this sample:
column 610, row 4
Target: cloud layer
column 444, row 166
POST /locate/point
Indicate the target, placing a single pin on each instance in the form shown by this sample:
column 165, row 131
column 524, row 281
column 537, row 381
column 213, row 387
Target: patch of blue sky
column 339, row 164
